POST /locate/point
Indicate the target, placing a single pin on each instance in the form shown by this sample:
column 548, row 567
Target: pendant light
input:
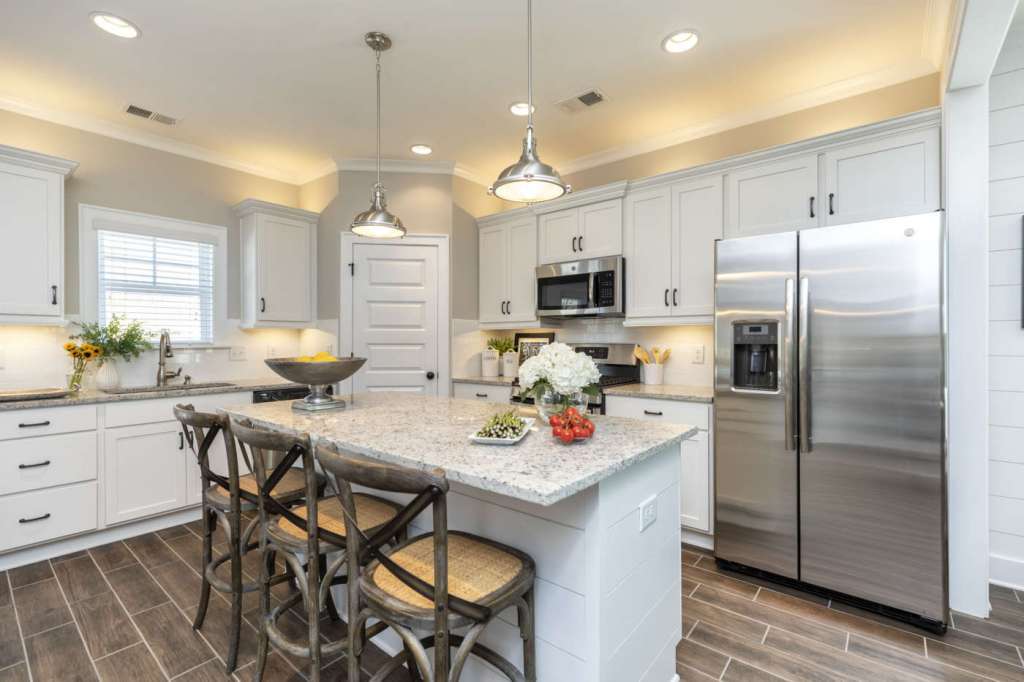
column 529, row 180
column 377, row 221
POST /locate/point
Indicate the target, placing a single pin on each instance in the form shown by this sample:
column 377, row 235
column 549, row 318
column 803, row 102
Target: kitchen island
column 608, row 579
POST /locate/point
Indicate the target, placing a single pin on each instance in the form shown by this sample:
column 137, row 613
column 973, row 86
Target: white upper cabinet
column 882, row 178
column 648, row 253
column 590, row 231
column 697, row 222
column 670, row 235
column 32, row 231
column 278, row 265
column 508, row 262
column 777, row 196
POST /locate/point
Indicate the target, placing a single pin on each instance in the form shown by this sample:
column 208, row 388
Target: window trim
column 93, row 218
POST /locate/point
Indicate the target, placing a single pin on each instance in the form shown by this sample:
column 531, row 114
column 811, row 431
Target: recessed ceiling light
column 115, row 25
column 421, row 149
column 520, row 108
column 680, row 41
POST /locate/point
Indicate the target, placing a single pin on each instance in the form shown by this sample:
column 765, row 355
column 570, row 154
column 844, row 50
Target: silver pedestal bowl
column 318, row 376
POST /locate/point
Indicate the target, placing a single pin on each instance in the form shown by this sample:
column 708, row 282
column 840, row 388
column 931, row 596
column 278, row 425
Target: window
column 165, row 283
column 167, row 273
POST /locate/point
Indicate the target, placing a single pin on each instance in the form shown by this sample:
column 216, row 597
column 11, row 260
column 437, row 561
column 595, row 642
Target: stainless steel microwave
column 583, row 288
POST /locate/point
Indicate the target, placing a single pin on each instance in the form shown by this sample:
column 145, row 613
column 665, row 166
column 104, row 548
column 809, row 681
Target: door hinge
column 352, row 269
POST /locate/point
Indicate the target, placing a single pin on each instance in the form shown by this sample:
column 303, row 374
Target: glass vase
column 554, row 403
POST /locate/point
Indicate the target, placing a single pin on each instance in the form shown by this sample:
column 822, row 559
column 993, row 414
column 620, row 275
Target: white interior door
column 395, row 317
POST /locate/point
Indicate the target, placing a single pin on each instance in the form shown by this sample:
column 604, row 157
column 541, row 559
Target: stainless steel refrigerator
column 829, row 411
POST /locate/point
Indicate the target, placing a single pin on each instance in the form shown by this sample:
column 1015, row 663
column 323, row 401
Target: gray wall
column 427, row 204
column 122, row 175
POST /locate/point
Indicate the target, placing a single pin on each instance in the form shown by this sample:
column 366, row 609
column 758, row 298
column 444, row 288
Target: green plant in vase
column 501, row 344
column 117, row 338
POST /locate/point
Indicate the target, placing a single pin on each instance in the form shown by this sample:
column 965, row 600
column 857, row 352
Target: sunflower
column 88, row 354
column 76, row 352
column 69, row 346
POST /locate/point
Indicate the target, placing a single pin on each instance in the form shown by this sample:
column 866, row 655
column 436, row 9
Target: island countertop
column 428, row 432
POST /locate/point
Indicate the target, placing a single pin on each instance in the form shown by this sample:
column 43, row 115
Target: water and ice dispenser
column 755, row 353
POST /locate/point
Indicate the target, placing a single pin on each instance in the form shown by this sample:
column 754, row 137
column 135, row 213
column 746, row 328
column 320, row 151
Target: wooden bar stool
column 438, row 581
column 312, row 530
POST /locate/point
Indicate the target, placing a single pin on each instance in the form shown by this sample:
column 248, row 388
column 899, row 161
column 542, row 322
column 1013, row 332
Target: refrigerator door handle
column 805, row 366
column 789, row 351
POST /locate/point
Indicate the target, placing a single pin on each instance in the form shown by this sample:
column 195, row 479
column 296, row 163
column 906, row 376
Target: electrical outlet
column 697, row 357
column 237, row 353
column 648, row 512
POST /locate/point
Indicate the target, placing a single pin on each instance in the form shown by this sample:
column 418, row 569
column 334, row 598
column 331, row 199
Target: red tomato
column 571, row 412
column 589, row 424
column 566, row 436
column 580, row 432
column 555, row 420
column 557, row 431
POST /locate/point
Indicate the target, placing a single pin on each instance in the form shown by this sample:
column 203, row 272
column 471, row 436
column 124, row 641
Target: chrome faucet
column 162, row 373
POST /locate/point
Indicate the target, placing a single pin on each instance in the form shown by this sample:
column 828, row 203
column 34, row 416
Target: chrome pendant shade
column 529, row 180
column 377, row 221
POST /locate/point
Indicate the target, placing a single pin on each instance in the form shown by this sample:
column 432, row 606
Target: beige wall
column 871, row 107
column 315, row 195
column 427, row 203
column 122, row 175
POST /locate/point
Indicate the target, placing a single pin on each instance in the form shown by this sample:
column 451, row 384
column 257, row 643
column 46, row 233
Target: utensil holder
column 654, row 374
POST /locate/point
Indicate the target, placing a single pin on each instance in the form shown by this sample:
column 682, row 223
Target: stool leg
column 528, row 630
column 209, row 520
column 234, row 543
column 313, row 618
column 332, row 609
column 262, row 639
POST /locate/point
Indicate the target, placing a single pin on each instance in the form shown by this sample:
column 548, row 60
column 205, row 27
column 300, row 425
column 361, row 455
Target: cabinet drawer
column 43, row 421
column 33, row 463
column 494, row 394
column 162, row 409
column 694, row 414
column 43, row 515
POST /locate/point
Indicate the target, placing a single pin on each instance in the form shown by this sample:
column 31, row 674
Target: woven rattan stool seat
column 477, row 569
column 293, row 484
column 371, row 512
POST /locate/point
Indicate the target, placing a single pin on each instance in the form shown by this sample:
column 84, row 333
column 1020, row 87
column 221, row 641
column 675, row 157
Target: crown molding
column 411, row 166
column 831, row 92
column 591, row 195
column 937, row 20
column 45, row 162
column 250, row 206
column 328, row 167
column 502, row 216
column 125, row 134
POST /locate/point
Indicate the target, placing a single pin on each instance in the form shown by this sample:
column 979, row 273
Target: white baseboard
column 50, row 550
column 703, row 540
column 1006, row 571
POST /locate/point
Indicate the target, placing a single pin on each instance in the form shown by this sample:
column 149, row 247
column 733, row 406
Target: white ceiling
column 284, row 87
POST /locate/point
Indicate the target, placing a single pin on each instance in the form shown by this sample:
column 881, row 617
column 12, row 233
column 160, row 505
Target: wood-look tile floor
column 740, row 628
column 123, row 611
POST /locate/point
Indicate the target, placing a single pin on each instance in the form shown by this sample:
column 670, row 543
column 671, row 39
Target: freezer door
column 872, row 482
column 755, row 457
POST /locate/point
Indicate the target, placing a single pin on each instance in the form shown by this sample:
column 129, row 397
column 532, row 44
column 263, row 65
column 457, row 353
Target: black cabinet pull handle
column 812, row 206
column 508, row 307
column 654, row 413
column 574, row 244
column 53, row 294
column 181, row 441
column 831, row 206
column 35, row 518
column 481, row 395
column 675, row 300
column 263, row 305
column 581, row 242
column 29, row 425
column 33, row 466
column 666, row 298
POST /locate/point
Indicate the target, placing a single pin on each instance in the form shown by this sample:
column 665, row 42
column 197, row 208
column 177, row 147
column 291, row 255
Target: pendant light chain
column 529, row 63
column 377, row 52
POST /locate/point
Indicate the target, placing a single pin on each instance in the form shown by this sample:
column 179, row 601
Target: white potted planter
column 107, row 375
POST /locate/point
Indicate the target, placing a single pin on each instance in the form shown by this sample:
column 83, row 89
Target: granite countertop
column 689, row 394
column 487, row 381
column 93, row 397
column 427, row 432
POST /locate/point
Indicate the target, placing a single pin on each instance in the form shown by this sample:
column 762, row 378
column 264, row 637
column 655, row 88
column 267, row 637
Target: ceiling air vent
column 582, row 101
column 150, row 115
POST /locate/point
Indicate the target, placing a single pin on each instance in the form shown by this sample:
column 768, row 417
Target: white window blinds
column 164, row 283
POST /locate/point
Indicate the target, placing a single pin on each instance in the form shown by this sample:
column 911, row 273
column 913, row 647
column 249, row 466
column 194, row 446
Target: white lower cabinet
column 144, row 470
column 43, row 515
column 486, row 392
column 696, row 479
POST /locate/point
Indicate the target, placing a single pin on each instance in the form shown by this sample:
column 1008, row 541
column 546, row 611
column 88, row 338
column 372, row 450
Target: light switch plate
column 648, row 512
column 697, row 355
column 237, row 353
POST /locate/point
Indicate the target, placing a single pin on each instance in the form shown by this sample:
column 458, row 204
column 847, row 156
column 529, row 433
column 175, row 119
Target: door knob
column 430, row 376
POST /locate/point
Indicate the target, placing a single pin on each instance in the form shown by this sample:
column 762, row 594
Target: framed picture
column 530, row 343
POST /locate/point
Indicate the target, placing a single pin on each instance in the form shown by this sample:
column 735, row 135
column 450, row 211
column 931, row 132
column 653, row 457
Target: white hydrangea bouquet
column 558, row 377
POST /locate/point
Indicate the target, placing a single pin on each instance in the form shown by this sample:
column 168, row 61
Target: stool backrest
column 200, row 430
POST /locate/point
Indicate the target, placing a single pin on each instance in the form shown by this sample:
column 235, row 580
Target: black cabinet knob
column 430, row 376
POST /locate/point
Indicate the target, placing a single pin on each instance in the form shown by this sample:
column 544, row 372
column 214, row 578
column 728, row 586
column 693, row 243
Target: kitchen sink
column 170, row 387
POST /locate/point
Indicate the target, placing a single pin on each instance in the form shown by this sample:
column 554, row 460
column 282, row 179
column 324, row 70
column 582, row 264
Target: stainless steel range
column 615, row 362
